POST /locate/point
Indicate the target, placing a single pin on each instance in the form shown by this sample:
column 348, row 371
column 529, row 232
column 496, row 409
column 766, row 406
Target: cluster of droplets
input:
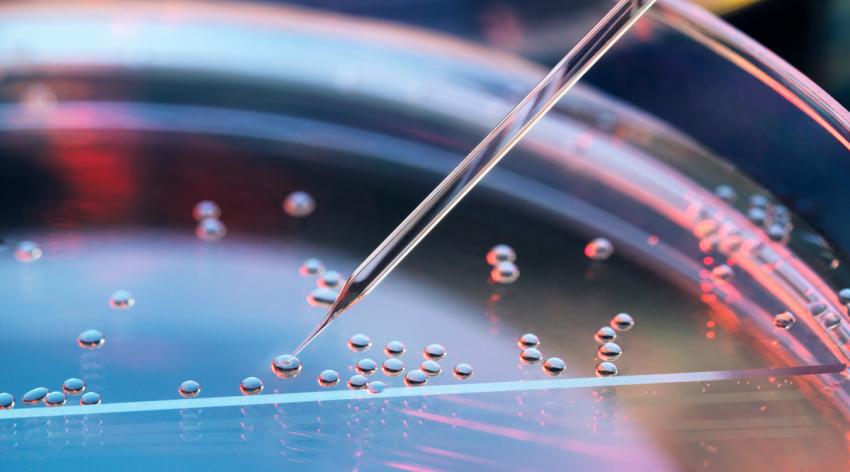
column 71, row 387
column 503, row 268
column 609, row 351
column 773, row 218
column 328, row 283
column 209, row 228
column 529, row 345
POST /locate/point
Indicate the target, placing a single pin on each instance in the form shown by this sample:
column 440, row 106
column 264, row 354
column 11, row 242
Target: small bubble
column 844, row 296
column 330, row 279
column 189, row 389
column 759, row 201
column 323, row 297
column 56, row 398
column 500, row 253
column 210, row 229
column 831, row 320
column 430, row 367
column 415, row 378
column 394, row 348
column 328, row 378
column 723, row 272
column 251, row 386
column 434, row 351
column 757, row 215
column 504, row 273
column 206, row 209
column 7, row 401
column 286, row 366
column 359, row 342
column 599, row 249
column 817, row 308
column 34, row 396
column 121, row 299
column 311, row 267
column 605, row 334
column 27, row 251
column 73, row 386
column 784, row 320
column 375, row 387
column 528, row 340
column 90, row 398
column 530, row 356
column 622, row 322
column 91, row 339
column 554, row 366
column 299, row 204
column 726, row 193
column 393, row 367
column 609, row 352
column 357, row 382
column 606, row 369
column 366, row 366
column 462, row 371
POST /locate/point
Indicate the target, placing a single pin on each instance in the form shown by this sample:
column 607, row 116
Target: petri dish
column 116, row 121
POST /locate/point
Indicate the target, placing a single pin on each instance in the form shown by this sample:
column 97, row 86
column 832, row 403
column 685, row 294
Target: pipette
column 483, row 158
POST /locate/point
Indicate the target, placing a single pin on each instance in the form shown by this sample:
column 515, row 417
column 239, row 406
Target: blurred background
column 813, row 36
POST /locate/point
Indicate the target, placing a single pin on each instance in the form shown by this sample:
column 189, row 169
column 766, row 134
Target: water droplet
column 393, row 367
column 528, row 340
column 394, row 348
column 415, row 378
column 784, row 320
column 299, row 204
column 189, row 389
column 91, row 339
column 366, row 366
column 726, row 193
column 759, row 201
column 723, row 272
column 777, row 233
column 609, row 352
column 606, row 369
column 121, row 299
column 757, row 215
column 359, row 342
column 504, row 273
column 27, row 251
column 430, row 367
column 251, row 386
column 323, row 297
column 90, row 398
column 328, row 378
column 73, row 386
column 357, row 382
column 622, row 322
column 34, row 396
column 7, row 401
column 56, row 398
column 500, row 253
column 206, row 209
column 210, row 229
column 286, row 366
column 605, row 334
column 462, row 371
column 530, row 356
column 844, row 296
column 376, row 386
column 330, row 279
column 831, row 320
column 311, row 267
column 434, row 351
column 817, row 308
column 554, row 366
column 599, row 249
